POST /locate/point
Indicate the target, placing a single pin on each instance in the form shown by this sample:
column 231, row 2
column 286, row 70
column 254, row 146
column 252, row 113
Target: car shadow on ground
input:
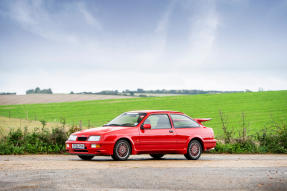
column 109, row 159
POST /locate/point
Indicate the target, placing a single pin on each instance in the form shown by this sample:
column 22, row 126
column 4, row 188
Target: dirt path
column 212, row 171
column 52, row 98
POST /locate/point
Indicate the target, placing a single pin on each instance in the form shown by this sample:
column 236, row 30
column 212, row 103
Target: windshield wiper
column 128, row 124
column 113, row 124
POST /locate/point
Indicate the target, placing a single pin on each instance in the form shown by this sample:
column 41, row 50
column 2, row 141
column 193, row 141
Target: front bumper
column 103, row 148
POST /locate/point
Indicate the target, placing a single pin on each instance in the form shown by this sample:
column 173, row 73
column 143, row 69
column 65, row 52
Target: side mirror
column 146, row 126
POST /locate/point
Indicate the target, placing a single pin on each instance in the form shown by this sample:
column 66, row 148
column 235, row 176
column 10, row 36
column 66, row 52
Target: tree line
column 37, row 90
column 7, row 93
column 140, row 91
column 127, row 92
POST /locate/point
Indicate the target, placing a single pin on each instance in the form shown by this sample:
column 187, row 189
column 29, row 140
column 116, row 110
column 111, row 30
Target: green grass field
column 260, row 108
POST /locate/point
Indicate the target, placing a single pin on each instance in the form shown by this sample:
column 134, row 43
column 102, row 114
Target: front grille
column 82, row 138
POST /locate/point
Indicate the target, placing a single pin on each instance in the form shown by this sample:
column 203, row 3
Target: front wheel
column 194, row 150
column 122, row 150
column 86, row 157
column 157, row 156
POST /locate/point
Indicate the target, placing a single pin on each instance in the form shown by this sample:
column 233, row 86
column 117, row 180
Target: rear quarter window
column 181, row 121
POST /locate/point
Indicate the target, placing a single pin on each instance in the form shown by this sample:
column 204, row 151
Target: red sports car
column 144, row 132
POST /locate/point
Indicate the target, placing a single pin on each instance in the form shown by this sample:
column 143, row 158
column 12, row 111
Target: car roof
column 154, row 111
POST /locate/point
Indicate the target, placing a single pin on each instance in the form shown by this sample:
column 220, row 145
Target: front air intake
column 82, row 138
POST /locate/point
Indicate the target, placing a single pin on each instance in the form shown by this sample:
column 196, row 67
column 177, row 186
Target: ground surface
column 51, row 98
column 211, row 172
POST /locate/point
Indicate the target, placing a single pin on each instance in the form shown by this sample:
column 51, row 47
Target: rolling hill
column 260, row 109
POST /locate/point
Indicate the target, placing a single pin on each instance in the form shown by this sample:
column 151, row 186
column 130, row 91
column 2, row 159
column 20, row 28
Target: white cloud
column 59, row 26
column 90, row 19
column 161, row 27
column 152, row 50
column 202, row 33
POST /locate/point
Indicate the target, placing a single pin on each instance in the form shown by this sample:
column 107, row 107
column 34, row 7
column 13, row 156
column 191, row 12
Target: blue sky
column 129, row 44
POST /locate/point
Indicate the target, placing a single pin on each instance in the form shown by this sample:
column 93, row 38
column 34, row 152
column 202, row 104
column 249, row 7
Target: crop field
column 6, row 124
column 260, row 109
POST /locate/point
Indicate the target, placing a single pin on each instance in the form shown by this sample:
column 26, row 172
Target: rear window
column 181, row 121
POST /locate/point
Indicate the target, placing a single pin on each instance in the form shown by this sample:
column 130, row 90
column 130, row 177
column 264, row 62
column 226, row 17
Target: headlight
column 94, row 138
column 72, row 138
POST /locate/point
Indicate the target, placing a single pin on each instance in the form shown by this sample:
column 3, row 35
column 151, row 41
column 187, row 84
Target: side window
column 158, row 121
column 181, row 121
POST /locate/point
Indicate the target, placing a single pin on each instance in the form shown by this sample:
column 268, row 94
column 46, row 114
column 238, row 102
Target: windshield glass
column 127, row 119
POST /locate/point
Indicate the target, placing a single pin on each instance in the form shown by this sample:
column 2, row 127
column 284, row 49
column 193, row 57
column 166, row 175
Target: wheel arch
column 199, row 140
column 129, row 141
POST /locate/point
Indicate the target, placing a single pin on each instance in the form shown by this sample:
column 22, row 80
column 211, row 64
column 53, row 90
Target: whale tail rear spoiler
column 200, row 120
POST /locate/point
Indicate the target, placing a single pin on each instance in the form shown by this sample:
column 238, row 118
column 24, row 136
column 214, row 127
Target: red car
column 144, row 132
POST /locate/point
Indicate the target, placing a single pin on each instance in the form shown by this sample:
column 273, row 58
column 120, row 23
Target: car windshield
column 127, row 119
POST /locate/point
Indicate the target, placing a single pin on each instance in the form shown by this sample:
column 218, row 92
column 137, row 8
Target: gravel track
column 140, row 172
column 52, row 98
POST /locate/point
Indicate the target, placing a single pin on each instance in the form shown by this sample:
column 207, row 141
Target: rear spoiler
column 200, row 120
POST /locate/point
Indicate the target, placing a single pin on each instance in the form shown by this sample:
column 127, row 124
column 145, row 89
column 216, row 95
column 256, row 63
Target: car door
column 161, row 135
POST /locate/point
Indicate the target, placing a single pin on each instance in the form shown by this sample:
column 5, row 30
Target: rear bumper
column 209, row 144
column 103, row 148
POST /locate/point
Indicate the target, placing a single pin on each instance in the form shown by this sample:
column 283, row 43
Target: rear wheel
column 122, row 150
column 194, row 150
column 86, row 157
column 157, row 156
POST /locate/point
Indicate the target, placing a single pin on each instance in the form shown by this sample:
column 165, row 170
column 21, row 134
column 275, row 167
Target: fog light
column 67, row 145
column 95, row 146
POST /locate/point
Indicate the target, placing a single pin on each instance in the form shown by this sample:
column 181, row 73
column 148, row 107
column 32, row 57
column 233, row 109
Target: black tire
column 194, row 150
column 156, row 156
column 86, row 157
column 122, row 150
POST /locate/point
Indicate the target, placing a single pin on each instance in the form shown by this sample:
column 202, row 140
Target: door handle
column 171, row 131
